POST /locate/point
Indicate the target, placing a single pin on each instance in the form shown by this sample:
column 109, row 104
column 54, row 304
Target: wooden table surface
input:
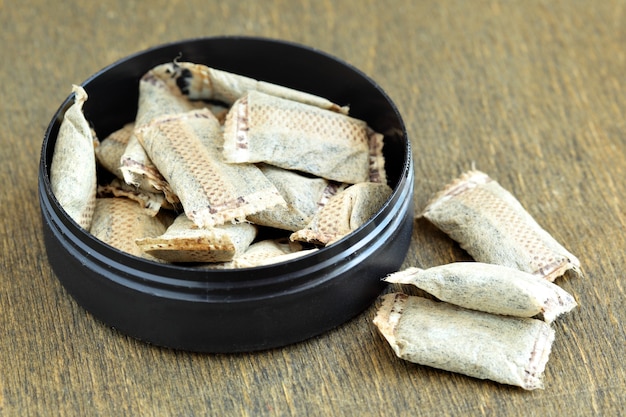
column 531, row 92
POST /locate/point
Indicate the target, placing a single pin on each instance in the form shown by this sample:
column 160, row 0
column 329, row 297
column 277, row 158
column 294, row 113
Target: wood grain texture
column 532, row 93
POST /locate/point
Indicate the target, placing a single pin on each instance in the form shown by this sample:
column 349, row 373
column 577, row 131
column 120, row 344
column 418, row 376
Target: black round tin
column 251, row 308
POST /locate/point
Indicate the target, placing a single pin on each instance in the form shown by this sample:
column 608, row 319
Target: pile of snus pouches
column 213, row 157
column 219, row 170
column 491, row 318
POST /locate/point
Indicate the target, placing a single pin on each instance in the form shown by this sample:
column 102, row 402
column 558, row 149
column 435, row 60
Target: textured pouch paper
column 509, row 350
column 493, row 227
column 490, row 288
column 186, row 148
column 73, row 167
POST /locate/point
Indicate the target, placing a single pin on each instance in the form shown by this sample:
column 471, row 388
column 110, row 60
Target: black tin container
column 246, row 309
